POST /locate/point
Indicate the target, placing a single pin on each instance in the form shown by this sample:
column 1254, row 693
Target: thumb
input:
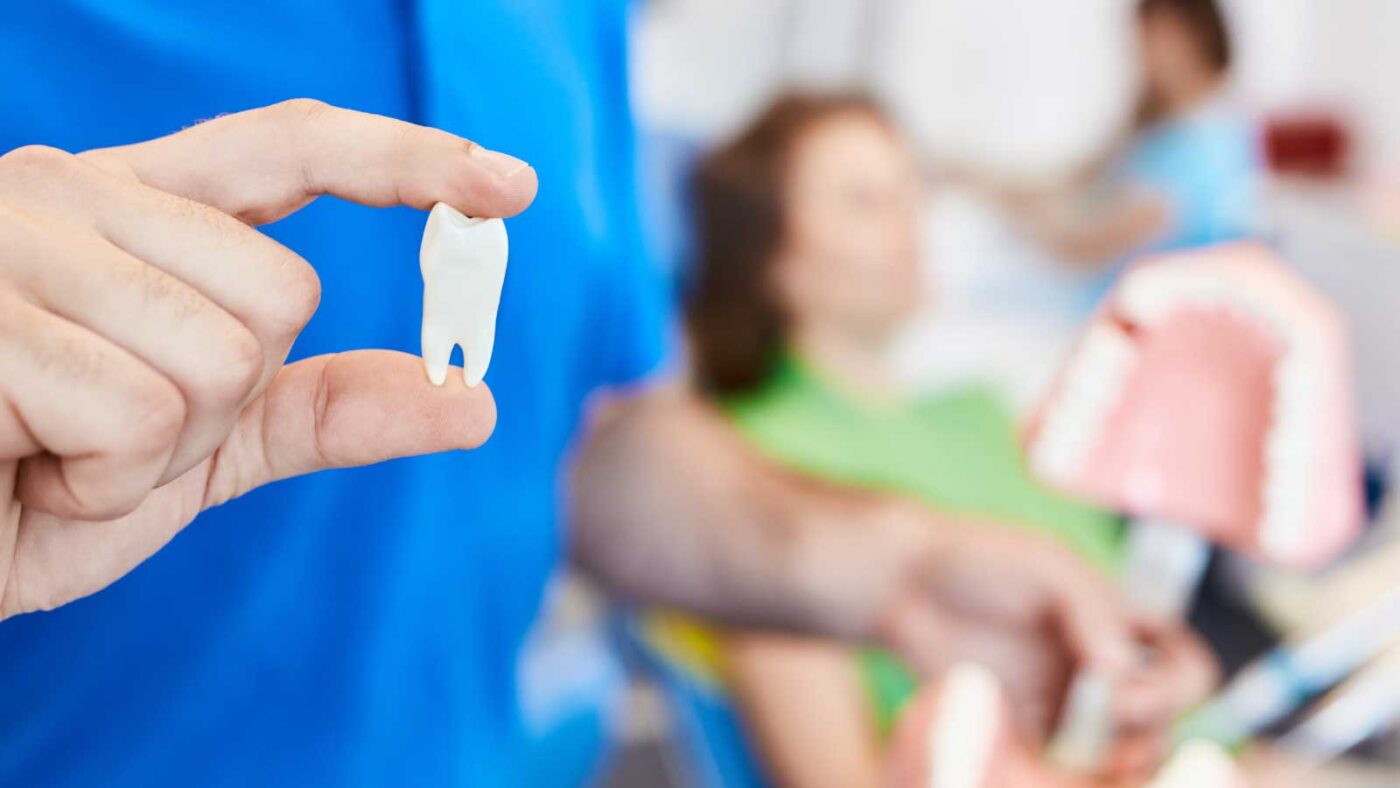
column 347, row 409
column 324, row 412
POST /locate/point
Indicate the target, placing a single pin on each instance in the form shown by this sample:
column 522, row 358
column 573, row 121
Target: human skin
column 145, row 324
column 673, row 507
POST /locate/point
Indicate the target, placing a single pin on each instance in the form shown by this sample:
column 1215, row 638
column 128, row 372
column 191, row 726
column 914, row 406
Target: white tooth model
column 965, row 732
column 464, row 265
column 1199, row 764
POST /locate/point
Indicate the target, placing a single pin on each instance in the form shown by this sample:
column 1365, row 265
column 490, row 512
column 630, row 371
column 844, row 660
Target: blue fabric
column 1207, row 167
column 714, row 747
column 357, row 627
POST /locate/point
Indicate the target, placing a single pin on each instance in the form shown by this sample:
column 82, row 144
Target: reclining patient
column 808, row 262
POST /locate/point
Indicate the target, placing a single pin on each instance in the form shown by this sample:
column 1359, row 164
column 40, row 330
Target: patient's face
column 851, row 252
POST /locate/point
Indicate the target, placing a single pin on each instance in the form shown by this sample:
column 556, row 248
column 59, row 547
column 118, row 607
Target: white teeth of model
column 1150, row 295
column 963, row 740
column 464, row 265
column 1288, row 450
column 1147, row 297
column 1093, row 385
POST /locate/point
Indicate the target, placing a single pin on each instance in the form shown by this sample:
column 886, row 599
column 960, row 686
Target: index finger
column 1182, row 672
column 1087, row 610
column 263, row 164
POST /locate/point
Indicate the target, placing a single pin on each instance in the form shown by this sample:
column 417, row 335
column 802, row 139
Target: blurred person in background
column 1189, row 174
column 363, row 627
column 807, row 266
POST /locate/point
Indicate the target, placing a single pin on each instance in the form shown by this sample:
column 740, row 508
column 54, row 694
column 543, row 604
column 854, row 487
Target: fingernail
column 502, row 165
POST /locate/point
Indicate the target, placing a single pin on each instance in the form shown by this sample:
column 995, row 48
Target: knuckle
column 298, row 110
column 237, row 369
column 294, row 299
column 105, row 500
column 155, row 414
column 39, row 161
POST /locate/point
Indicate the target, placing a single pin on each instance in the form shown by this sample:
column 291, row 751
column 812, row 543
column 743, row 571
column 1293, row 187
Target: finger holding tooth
column 145, row 325
column 464, row 266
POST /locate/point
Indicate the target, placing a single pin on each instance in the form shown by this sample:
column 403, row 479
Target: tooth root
column 464, row 265
column 476, row 354
column 437, row 355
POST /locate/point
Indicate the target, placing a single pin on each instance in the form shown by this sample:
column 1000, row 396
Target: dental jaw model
column 464, row 266
column 967, row 730
column 957, row 734
column 1211, row 391
column 1209, row 399
column 1200, row 764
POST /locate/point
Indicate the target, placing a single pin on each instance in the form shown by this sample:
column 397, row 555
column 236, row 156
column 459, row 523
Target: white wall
column 1018, row 83
column 1024, row 85
column 1013, row 85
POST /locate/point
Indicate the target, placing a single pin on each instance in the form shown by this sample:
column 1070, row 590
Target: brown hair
column 1205, row 22
column 736, row 326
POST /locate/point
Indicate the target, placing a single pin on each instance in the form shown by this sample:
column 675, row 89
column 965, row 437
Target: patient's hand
column 1033, row 614
column 1180, row 674
column 1016, row 602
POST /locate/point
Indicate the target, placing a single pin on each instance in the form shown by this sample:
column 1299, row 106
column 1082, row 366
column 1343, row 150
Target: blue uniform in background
column 1207, row 166
column 355, row 627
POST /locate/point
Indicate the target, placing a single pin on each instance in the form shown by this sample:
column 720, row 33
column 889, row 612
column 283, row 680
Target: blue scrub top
column 355, row 627
column 1207, row 166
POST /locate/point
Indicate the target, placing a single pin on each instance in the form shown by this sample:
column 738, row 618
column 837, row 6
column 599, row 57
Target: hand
column 1180, row 673
column 144, row 327
column 1016, row 602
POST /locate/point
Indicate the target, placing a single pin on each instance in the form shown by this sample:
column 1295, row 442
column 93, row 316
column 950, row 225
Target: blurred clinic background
column 1020, row 153
column 1123, row 274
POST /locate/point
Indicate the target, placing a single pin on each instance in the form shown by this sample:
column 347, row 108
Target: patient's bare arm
column 673, row 507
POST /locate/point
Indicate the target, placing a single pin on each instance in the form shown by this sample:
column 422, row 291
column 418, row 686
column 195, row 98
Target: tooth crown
column 463, row 261
column 1287, row 487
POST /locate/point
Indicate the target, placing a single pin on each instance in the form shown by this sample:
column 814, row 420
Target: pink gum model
column 1211, row 390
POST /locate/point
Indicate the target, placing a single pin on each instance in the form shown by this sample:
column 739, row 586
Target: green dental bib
column 956, row 451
